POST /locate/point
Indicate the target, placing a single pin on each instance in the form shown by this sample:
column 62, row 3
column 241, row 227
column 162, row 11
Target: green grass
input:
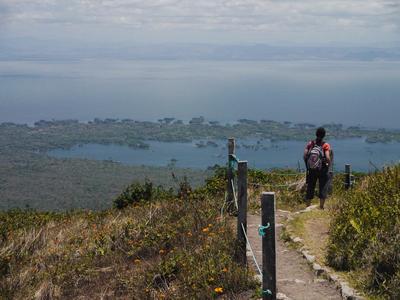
column 357, row 234
column 365, row 233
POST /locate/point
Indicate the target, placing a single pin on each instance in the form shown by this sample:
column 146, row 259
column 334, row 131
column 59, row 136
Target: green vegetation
column 46, row 135
column 40, row 182
column 137, row 192
column 313, row 228
column 31, row 179
column 287, row 184
column 358, row 232
column 165, row 246
column 168, row 243
column 365, row 231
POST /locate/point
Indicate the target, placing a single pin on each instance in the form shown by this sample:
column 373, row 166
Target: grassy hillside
column 365, row 234
column 161, row 245
column 45, row 183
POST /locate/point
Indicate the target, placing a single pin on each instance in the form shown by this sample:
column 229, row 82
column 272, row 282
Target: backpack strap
column 314, row 142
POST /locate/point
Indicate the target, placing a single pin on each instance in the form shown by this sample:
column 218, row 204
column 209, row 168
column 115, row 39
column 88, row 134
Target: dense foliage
column 177, row 247
column 47, row 135
column 365, row 233
column 137, row 192
column 31, row 179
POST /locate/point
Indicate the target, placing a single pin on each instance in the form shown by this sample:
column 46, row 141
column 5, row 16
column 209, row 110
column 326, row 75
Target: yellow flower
column 224, row 270
column 206, row 229
column 210, row 225
column 219, row 290
column 161, row 251
column 189, row 234
column 137, row 261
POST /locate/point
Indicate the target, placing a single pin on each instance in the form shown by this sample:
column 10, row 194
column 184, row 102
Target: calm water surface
column 259, row 154
column 365, row 93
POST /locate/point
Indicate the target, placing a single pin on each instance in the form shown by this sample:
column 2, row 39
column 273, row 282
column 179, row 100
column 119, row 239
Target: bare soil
column 295, row 278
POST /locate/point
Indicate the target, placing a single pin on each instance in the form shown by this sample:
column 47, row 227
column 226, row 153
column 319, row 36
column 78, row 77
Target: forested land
column 46, row 135
column 29, row 178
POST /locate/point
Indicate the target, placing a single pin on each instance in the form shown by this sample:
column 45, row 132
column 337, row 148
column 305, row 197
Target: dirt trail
column 295, row 277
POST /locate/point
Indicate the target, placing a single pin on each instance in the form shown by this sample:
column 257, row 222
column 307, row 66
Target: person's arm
column 328, row 157
column 305, row 155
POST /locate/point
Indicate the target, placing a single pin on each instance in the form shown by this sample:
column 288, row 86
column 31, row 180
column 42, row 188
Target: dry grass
column 313, row 228
column 173, row 249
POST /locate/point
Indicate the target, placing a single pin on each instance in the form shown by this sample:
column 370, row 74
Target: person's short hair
column 320, row 133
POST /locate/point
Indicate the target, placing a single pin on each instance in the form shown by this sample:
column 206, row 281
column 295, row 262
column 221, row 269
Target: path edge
column 346, row 292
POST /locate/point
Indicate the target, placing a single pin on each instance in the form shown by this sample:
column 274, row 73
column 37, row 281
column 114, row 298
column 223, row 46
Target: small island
column 28, row 174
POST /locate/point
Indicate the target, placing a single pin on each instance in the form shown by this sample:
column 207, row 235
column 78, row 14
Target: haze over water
column 282, row 154
column 349, row 92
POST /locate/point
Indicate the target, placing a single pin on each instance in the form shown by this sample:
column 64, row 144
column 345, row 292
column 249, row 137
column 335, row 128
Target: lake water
column 365, row 93
column 259, row 154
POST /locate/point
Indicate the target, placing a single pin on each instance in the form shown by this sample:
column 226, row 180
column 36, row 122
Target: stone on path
column 296, row 279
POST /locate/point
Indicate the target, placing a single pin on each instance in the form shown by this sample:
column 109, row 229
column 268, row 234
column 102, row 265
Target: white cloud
column 285, row 16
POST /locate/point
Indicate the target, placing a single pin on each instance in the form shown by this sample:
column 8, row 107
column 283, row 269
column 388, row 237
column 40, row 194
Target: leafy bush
column 365, row 232
column 184, row 188
column 137, row 192
column 216, row 185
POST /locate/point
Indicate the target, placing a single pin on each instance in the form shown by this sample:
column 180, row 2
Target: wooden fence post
column 347, row 180
column 231, row 151
column 242, row 212
column 267, row 231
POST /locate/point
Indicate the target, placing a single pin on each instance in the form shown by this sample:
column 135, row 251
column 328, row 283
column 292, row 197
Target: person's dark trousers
column 323, row 177
column 329, row 184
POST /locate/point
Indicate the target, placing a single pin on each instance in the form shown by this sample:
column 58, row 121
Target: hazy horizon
column 352, row 93
column 300, row 61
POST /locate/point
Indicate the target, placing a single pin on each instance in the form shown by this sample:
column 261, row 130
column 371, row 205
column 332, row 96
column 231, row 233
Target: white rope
column 289, row 174
column 234, row 194
column 251, row 250
column 270, row 185
column 223, row 206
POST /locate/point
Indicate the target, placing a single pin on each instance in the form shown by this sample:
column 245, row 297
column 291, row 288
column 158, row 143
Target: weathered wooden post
column 267, row 231
column 242, row 212
column 231, row 152
column 347, row 180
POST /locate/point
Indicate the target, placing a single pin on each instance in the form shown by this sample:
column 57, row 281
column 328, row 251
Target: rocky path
column 296, row 279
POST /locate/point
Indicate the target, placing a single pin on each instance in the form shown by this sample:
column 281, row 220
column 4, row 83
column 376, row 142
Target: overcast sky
column 275, row 22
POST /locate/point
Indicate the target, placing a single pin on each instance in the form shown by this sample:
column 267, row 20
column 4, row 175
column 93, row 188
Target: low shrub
column 365, row 233
column 137, row 192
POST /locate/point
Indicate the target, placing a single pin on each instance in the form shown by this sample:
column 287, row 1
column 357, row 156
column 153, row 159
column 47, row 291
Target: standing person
column 318, row 161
